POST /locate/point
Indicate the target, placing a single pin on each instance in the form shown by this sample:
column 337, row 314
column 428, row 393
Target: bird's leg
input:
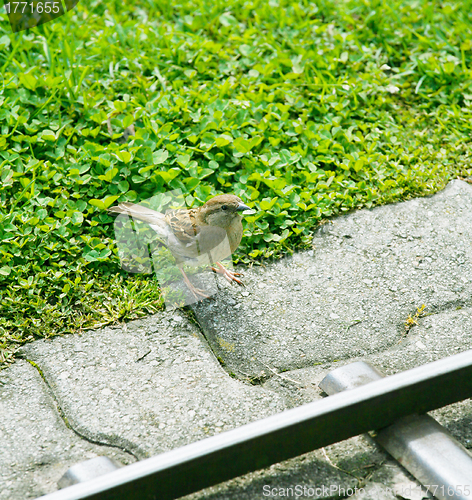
column 229, row 275
column 197, row 292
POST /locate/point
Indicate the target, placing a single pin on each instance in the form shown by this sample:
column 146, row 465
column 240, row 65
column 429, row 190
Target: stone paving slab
column 154, row 385
column 148, row 387
column 36, row 447
column 352, row 293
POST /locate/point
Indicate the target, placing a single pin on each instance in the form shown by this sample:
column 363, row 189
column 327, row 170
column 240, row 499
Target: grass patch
column 306, row 110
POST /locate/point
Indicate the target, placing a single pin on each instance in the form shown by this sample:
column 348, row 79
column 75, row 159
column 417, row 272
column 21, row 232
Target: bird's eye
column 224, row 207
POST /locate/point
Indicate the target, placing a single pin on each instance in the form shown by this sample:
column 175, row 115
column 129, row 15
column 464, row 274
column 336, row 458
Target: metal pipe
column 422, row 446
column 285, row 435
column 87, row 470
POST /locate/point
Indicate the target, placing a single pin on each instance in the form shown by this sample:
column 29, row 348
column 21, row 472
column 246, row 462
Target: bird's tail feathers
column 137, row 212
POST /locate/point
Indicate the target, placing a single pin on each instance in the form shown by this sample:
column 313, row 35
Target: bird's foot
column 229, row 275
column 198, row 293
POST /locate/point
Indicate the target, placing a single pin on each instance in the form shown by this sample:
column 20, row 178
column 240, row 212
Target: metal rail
column 285, row 435
column 423, row 447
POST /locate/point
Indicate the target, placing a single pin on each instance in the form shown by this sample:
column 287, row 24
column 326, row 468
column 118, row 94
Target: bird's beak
column 242, row 207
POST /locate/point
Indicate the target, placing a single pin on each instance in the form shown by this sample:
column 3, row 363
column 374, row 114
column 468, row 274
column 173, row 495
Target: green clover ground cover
column 305, row 109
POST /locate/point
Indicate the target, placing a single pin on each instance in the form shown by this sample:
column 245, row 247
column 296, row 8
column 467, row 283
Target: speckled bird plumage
column 205, row 234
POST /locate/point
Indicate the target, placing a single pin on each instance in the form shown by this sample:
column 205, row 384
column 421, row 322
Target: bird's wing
column 183, row 224
column 192, row 242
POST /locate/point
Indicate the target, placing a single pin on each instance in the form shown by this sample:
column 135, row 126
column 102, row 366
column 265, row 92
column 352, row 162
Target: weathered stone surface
column 147, row 387
column 391, row 482
column 351, row 294
column 36, row 446
column 435, row 337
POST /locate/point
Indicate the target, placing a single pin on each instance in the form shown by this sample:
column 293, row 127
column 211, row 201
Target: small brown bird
column 212, row 231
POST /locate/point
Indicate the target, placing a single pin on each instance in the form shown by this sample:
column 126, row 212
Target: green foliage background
column 304, row 109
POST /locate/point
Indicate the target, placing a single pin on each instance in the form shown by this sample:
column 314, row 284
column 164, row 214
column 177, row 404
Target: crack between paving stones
column 449, row 305
column 61, row 413
column 259, row 381
column 251, row 380
column 191, row 316
column 454, row 305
